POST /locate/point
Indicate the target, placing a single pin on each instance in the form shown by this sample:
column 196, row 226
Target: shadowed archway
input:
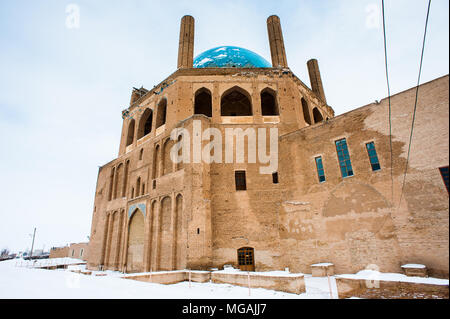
column 135, row 249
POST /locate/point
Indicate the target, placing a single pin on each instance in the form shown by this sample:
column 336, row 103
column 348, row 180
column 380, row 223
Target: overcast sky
column 63, row 86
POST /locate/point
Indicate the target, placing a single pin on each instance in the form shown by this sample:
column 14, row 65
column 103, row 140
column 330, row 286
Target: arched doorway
column 246, row 259
column 135, row 250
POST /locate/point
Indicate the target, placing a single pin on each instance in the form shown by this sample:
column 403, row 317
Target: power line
column 389, row 100
column 415, row 102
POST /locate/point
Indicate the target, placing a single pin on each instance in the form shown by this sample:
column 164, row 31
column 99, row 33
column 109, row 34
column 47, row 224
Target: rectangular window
column 444, row 174
column 239, row 177
column 320, row 170
column 344, row 158
column 373, row 156
column 275, row 178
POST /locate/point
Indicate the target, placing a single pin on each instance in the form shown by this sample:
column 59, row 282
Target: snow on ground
column 28, row 283
column 19, row 281
column 277, row 273
column 375, row 275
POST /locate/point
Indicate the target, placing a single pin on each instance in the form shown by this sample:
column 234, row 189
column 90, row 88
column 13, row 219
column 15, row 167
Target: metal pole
column 32, row 244
column 189, row 278
column 329, row 285
column 248, row 279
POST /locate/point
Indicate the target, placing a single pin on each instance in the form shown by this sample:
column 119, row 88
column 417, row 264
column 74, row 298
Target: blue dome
column 230, row 57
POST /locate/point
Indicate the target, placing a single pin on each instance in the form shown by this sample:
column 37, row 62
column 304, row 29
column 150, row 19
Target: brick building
column 74, row 250
column 333, row 196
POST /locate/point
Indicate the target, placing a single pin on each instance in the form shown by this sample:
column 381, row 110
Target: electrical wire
column 389, row 100
column 415, row 103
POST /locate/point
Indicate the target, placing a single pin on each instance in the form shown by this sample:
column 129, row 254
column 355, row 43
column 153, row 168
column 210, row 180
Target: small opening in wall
column 275, row 177
column 154, row 184
column 198, row 231
column 240, row 180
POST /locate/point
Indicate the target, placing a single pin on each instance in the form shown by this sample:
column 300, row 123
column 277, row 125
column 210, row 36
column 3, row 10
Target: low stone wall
column 172, row 277
column 322, row 270
column 413, row 270
column 389, row 289
column 291, row 283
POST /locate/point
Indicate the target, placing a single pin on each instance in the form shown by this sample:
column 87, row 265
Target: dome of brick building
column 230, row 57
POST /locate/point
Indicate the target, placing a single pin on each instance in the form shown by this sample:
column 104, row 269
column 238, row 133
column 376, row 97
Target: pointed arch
column 203, row 102
column 156, row 162
column 135, row 249
column 317, row 115
column 305, row 108
column 138, row 186
column 167, row 164
column 269, row 106
column 118, row 180
column 165, row 233
column 130, row 133
column 180, row 165
column 145, row 123
column 178, row 230
column 111, row 183
column 161, row 113
column 236, row 102
column 125, row 178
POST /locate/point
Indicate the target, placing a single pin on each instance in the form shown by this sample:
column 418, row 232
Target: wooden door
column 246, row 259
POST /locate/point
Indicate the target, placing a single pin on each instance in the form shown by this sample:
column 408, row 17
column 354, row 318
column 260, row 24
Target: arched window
column 125, row 178
column 268, row 103
column 179, row 165
column 145, row 123
column 156, row 162
column 118, row 180
column 167, row 161
column 130, row 133
column 317, row 115
column 111, row 183
column 161, row 113
column 203, row 103
column 138, row 186
column 235, row 102
column 305, row 109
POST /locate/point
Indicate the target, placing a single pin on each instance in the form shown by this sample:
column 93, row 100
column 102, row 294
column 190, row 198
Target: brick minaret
column 186, row 43
column 276, row 42
column 315, row 79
